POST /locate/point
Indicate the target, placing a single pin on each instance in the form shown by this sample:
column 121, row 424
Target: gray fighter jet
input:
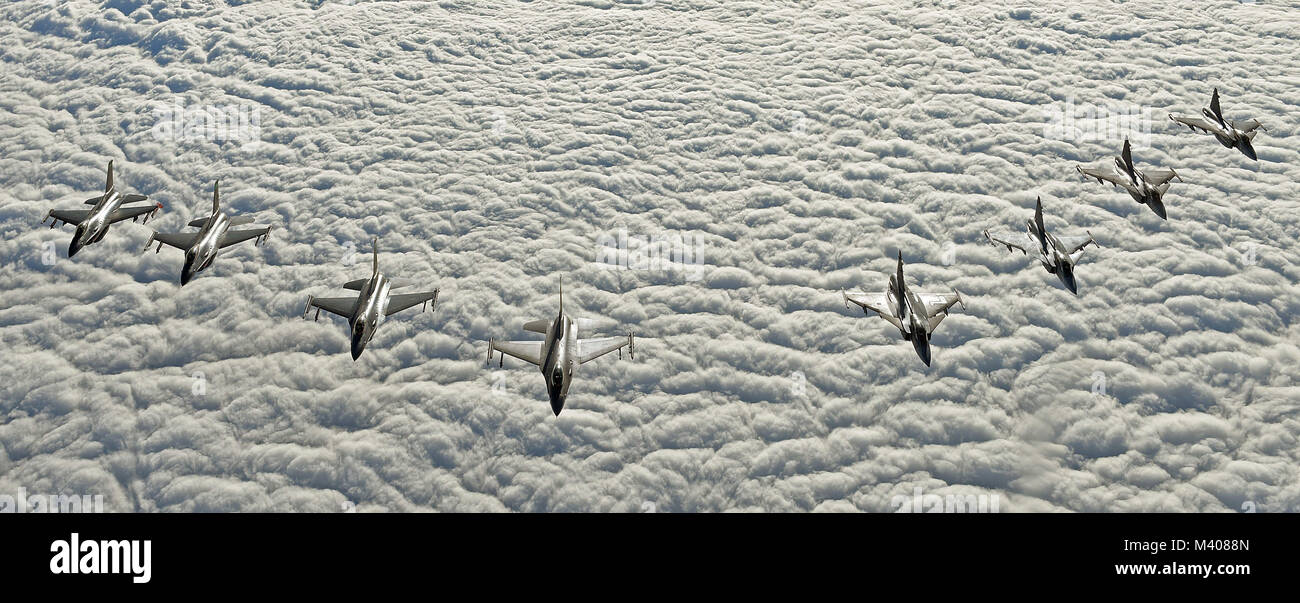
column 1057, row 254
column 560, row 353
column 1230, row 133
column 214, row 234
column 92, row 224
column 369, row 308
column 1147, row 188
column 915, row 314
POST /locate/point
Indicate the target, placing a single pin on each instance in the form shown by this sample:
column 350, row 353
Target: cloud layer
column 796, row 146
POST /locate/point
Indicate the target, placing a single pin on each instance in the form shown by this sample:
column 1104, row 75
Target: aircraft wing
column 1196, row 123
column 591, row 349
column 343, row 306
column 131, row 213
column 1075, row 243
column 239, row 236
column 71, row 216
column 1107, row 175
column 402, row 301
column 938, row 303
column 179, row 240
column 1158, row 177
column 876, row 302
column 528, row 351
column 1017, row 240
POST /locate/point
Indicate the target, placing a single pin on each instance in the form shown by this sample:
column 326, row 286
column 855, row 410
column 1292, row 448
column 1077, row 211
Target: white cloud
column 804, row 143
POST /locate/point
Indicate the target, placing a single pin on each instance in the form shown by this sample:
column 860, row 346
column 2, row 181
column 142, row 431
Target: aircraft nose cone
column 922, row 350
column 186, row 275
column 557, row 399
column 1159, row 208
column 1249, row 150
column 1070, row 283
column 73, row 248
column 358, row 343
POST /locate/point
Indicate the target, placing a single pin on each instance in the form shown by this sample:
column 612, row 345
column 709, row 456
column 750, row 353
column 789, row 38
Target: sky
column 708, row 175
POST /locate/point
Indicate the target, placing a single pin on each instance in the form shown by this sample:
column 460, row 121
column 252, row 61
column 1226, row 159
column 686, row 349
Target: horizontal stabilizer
column 236, row 221
column 537, row 326
column 356, row 285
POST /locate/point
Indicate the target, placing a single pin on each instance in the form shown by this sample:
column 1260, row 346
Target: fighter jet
column 92, row 224
column 915, row 314
column 1147, row 188
column 1057, row 254
column 560, row 353
column 1230, row 133
column 369, row 308
column 214, row 234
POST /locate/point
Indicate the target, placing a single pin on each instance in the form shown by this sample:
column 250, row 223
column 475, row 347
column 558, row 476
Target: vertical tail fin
column 561, row 296
column 216, row 197
column 108, row 185
column 375, row 245
column 1127, row 156
column 1214, row 105
column 901, row 287
column 1038, row 216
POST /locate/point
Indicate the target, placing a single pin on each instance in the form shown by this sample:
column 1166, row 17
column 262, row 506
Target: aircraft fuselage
column 1229, row 136
column 96, row 224
column 372, row 307
column 206, row 246
column 1142, row 191
column 1054, row 258
column 558, row 356
column 913, row 318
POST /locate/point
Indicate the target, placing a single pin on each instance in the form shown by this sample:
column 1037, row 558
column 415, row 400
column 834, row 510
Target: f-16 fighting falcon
column 560, row 353
column 369, row 308
column 214, row 235
column 1057, row 254
column 1147, row 188
column 92, row 224
column 915, row 314
column 1230, row 133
